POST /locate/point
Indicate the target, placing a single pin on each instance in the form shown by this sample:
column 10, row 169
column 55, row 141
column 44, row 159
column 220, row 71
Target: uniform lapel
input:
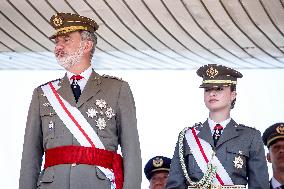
column 92, row 88
column 205, row 133
column 65, row 91
column 229, row 132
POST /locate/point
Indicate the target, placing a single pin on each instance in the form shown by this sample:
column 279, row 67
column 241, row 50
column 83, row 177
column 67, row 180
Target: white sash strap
column 75, row 122
column 202, row 152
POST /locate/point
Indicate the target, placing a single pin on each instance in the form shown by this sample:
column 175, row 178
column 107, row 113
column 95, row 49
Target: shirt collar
column 275, row 183
column 212, row 123
column 85, row 74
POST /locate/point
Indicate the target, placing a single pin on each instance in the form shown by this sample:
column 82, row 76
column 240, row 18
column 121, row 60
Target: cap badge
column 212, row 72
column 157, row 162
column 57, row 21
column 238, row 162
column 280, row 129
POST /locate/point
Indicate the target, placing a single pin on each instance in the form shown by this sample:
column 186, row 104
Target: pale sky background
column 166, row 102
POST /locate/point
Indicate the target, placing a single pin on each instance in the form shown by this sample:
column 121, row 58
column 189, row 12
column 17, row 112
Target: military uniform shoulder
column 111, row 77
column 245, row 126
column 196, row 126
column 49, row 82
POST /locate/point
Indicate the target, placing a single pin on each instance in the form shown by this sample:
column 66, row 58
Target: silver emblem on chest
column 101, row 112
column 101, row 123
column 92, row 112
column 238, row 162
column 50, row 125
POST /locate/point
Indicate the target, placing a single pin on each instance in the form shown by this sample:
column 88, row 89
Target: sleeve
column 258, row 172
column 32, row 148
column 176, row 179
column 129, row 139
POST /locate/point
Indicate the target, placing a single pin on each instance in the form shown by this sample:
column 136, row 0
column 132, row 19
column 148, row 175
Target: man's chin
column 65, row 65
column 159, row 187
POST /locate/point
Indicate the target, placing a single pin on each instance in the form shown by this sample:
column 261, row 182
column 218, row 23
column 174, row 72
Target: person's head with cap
column 273, row 138
column 74, row 38
column 156, row 171
column 219, row 83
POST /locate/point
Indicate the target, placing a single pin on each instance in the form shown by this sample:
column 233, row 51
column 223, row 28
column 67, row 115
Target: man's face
column 276, row 156
column 159, row 180
column 68, row 49
column 218, row 99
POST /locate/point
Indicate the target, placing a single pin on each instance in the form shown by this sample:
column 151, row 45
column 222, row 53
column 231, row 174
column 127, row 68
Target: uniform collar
column 212, row 123
column 85, row 74
column 275, row 183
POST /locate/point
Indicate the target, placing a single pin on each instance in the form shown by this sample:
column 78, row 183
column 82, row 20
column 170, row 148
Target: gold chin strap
column 219, row 81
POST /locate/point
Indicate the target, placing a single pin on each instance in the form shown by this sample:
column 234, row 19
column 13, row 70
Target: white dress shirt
column 275, row 184
column 212, row 124
column 82, row 82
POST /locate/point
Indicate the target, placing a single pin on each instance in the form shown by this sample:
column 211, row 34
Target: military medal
column 101, row 103
column 92, row 112
column 103, row 112
column 238, row 162
column 46, row 104
column 109, row 113
column 101, row 123
column 50, row 125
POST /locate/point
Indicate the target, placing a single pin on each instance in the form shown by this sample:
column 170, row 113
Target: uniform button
column 73, row 164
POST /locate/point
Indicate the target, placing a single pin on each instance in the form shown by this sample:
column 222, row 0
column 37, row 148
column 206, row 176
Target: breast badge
column 50, row 125
column 101, row 123
column 238, row 162
column 92, row 112
column 101, row 112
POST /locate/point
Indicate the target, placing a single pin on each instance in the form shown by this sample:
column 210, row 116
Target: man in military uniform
column 273, row 138
column 78, row 121
column 157, row 170
column 219, row 153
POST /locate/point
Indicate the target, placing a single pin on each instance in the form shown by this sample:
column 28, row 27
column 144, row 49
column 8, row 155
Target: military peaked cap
column 273, row 133
column 157, row 163
column 64, row 23
column 218, row 76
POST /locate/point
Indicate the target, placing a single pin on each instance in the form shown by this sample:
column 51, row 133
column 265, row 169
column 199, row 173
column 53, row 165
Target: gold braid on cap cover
column 220, row 81
column 70, row 29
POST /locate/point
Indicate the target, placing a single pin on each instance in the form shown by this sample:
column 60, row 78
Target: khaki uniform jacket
column 121, row 130
column 235, row 141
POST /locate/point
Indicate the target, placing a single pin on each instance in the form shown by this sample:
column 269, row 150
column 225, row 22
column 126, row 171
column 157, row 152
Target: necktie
column 75, row 87
column 217, row 133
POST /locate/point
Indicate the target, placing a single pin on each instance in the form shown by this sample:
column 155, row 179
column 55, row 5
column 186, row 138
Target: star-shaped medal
column 92, row 112
column 101, row 123
column 238, row 162
column 101, row 103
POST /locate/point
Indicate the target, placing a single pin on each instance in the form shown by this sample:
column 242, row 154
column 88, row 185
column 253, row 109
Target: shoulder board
column 50, row 81
column 111, row 77
column 242, row 125
column 196, row 125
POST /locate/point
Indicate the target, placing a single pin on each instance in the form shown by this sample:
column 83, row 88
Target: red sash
column 86, row 155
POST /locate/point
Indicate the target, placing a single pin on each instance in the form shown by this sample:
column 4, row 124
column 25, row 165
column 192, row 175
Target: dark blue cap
column 157, row 163
column 273, row 133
